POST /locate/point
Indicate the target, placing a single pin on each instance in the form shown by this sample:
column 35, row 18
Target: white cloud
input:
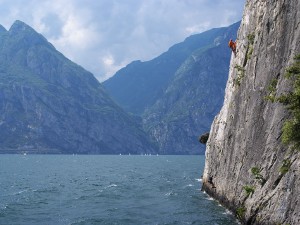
column 105, row 35
column 108, row 60
column 76, row 34
column 197, row 28
column 110, row 65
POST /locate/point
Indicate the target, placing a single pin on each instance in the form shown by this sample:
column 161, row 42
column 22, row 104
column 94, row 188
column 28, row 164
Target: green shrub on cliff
column 256, row 172
column 249, row 52
column 249, row 190
column 240, row 212
column 285, row 166
column 272, row 90
column 240, row 75
column 291, row 128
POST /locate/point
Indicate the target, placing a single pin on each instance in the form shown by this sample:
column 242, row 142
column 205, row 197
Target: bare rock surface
column 246, row 134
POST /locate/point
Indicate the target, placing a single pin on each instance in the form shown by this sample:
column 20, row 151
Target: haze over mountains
column 49, row 104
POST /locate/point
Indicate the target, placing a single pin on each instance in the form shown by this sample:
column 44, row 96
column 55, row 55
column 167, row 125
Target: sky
column 104, row 36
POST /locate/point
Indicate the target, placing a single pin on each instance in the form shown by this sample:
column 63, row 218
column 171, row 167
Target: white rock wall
column 247, row 131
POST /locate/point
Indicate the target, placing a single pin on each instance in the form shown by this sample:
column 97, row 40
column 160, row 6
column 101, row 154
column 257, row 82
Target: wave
column 3, row 206
column 227, row 212
column 171, row 193
column 20, row 192
column 129, row 190
column 112, row 185
column 209, row 198
column 190, row 185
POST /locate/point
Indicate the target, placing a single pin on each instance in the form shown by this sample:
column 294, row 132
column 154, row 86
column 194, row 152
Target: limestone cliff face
column 246, row 135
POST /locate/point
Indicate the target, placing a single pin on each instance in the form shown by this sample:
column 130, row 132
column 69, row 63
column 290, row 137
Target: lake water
column 97, row 189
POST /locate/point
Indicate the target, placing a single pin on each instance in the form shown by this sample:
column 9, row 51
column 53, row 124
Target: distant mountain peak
column 2, row 29
column 27, row 34
column 19, row 26
column 49, row 104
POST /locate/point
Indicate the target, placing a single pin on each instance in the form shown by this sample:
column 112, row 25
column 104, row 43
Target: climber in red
column 232, row 45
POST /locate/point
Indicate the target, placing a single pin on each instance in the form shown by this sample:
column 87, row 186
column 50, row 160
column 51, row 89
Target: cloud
column 103, row 36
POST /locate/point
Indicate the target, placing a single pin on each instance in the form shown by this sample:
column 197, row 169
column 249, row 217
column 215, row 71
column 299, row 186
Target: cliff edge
column 247, row 168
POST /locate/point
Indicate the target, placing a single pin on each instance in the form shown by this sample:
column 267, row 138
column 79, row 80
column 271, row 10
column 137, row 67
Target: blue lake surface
column 97, row 189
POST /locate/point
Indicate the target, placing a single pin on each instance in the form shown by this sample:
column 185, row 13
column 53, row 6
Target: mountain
column 192, row 98
column 252, row 156
column 179, row 92
column 140, row 84
column 49, row 104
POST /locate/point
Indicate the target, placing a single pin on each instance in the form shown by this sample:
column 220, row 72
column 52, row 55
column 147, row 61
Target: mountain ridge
column 184, row 101
column 51, row 105
column 154, row 75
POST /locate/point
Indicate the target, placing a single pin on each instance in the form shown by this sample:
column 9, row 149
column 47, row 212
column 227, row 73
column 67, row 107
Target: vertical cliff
column 248, row 169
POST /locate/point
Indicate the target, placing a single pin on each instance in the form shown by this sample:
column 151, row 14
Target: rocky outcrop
column 204, row 138
column 248, row 169
column 48, row 104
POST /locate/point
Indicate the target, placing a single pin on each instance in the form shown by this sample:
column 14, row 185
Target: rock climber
column 232, row 45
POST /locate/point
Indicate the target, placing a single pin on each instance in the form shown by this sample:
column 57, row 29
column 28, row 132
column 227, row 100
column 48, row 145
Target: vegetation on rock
column 291, row 128
column 256, row 172
column 272, row 90
column 285, row 166
column 249, row 51
column 240, row 212
column 249, row 190
column 240, row 76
